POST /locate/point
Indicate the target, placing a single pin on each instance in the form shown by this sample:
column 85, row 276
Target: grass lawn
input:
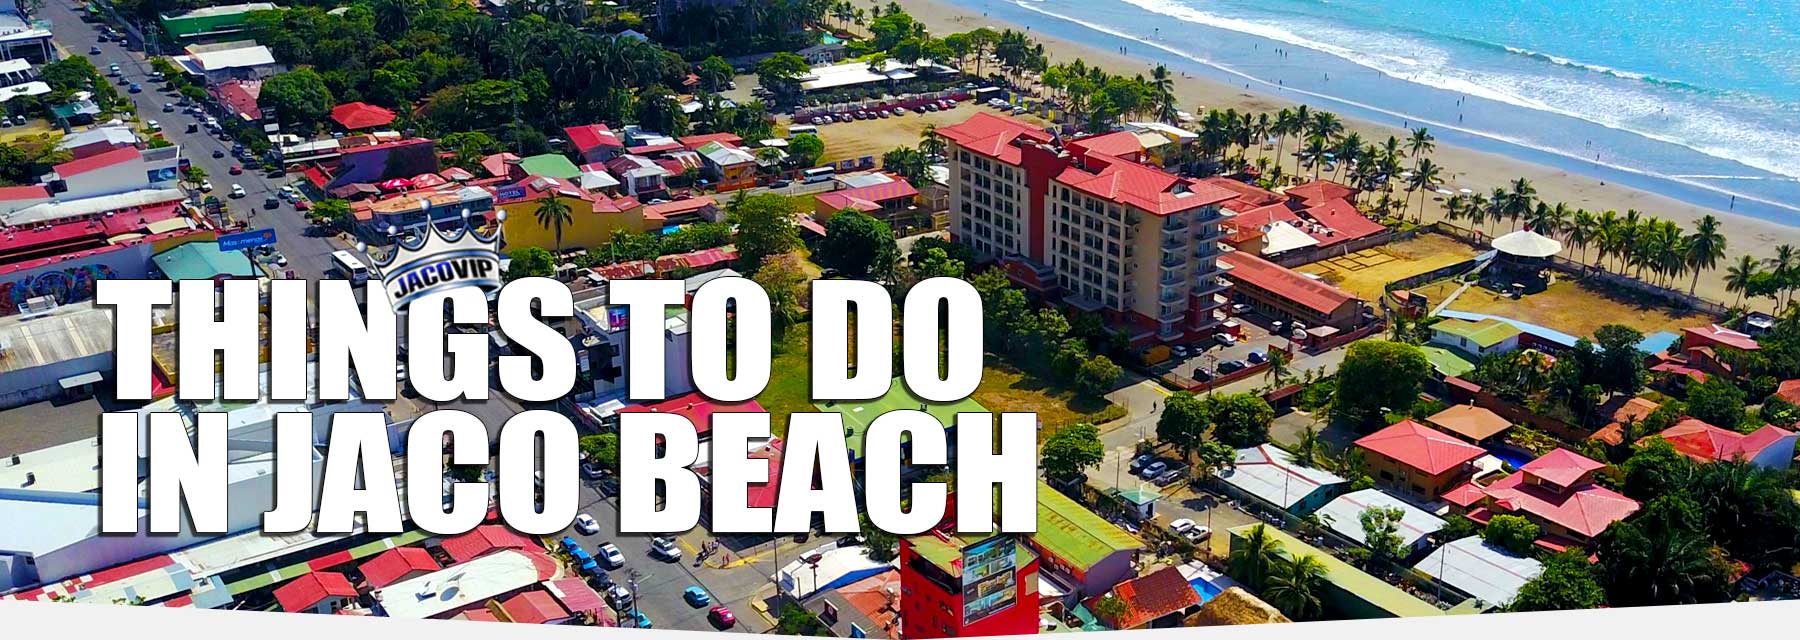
column 1367, row 272
column 1572, row 307
column 790, row 385
column 1005, row 389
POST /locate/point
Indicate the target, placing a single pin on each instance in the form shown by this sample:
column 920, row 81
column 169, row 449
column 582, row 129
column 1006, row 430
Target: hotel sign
column 990, row 582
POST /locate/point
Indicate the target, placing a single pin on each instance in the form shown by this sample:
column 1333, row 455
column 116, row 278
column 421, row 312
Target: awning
column 74, row 381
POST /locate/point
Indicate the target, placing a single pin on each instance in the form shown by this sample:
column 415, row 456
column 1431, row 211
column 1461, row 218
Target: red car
column 237, row 169
column 722, row 616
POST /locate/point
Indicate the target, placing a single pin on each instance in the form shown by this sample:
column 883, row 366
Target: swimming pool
column 826, row 38
column 1207, row 590
column 1512, row 458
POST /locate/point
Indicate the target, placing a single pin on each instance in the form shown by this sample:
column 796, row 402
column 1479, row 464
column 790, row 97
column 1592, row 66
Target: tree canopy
column 1377, row 376
column 858, row 245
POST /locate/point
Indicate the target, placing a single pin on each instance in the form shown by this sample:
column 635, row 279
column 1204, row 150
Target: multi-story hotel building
column 1086, row 221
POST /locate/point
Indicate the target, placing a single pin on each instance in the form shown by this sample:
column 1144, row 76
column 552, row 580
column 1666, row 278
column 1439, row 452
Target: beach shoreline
column 1465, row 168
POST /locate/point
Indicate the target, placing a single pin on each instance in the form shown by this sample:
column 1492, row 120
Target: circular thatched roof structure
column 1526, row 243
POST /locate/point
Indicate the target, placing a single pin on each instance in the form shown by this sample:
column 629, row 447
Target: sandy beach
column 1464, row 168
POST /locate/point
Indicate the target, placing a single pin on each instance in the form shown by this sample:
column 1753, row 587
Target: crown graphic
column 430, row 260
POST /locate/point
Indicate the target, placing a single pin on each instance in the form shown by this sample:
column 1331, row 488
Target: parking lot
column 1214, row 357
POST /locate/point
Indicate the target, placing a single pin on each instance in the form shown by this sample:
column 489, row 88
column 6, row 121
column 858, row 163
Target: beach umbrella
column 1466, row 191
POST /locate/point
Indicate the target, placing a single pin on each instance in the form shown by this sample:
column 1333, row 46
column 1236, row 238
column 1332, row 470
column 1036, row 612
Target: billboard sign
column 990, row 581
column 246, row 240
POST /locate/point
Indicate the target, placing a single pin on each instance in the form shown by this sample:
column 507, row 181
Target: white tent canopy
column 1528, row 244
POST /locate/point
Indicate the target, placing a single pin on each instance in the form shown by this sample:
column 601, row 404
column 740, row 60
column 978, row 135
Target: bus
column 797, row 129
column 348, row 266
column 817, row 174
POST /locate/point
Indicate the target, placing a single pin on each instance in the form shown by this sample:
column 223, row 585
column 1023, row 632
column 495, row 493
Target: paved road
column 660, row 583
column 309, row 257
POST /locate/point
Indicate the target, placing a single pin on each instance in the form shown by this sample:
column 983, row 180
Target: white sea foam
column 1731, row 136
column 1689, row 123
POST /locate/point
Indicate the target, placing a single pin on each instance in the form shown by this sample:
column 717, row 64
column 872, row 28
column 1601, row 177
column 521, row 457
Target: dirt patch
column 871, row 138
column 1577, row 308
column 1366, row 273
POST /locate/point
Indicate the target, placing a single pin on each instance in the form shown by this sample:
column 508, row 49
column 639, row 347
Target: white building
column 241, row 60
column 1481, row 570
column 1344, row 515
column 605, row 348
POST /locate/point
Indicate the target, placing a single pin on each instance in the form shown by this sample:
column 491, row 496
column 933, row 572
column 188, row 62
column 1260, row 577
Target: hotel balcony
column 1175, row 223
column 1213, row 238
column 1203, row 322
column 1173, row 262
column 1173, row 296
column 1172, row 242
column 1169, row 330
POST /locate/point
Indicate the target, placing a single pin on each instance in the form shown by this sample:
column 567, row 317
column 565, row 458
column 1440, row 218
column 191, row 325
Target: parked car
column 619, row 597
column 610, row 554
column 1182, row 525
column 637, row 620
column 591, row 471
column 1169, row 476
column 1154, row 469
column 1229, row 366
column 1138, row 463
column 665, row 548
column 205, row 186
column 586, row 524
column 1258, row 357
column 1179, row 350
column 281, row 259
column 696, row 597
column 1197, row 534
column 1240, row 309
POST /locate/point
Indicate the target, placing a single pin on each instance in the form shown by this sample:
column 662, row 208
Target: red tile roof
column 1121, row 144
column 576, row 596
column 588, row 137
column 533, row 607
column 1249, row 196
column 1420, row 447
column 1343, row 222
column 1136, row 185
column 646, row 149
column 1319, row 191
column 861, row 197
column 624, row 270
column 678, row 207
column 309, row 590
column 98, row 161
column 361, row 115
column 1696, row 439
column 1715, row 334
column 696, row 408
column 1587, row 509
column 1789, row 391
column 1284, row 282
column 498, row 164
column 1562, row 467
column 24, row 192
column 392, row 565
column 763, row 495
column 992, row 135
column 483, row 539
column 476, row 615
column 724, row 137
column 239, row 96
column 1152, row 596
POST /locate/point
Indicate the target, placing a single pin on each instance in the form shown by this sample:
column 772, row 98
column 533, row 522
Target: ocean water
column 1695, row 99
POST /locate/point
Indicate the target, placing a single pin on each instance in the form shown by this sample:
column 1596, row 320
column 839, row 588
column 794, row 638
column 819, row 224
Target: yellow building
column 593, row 218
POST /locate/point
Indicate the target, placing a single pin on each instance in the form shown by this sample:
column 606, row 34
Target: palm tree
column 1783, row 264
column 1630, row 228
column 552, row 214
column 1580, row 231
column 1704, row 248
column 1420, row 143
column 1302, row 122
column 1738, row 277
column 1296, row 586
column 1347, row 149
column 1498, row 203
column 1606, row 236
column 1162, row 92
column 1253, row 561
column 1518, row 202
column 1283, row 125
column 1315, row 154
column 1425, row 176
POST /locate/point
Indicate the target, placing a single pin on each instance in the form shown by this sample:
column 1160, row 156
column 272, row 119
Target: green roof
column 1078, row 536
column 858, row 415
column 947, row 554
column 1485, row 333
column 211, row 20
column 550, row 165
column 203, row 261
column 1447, row 362
column 1353, row 581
